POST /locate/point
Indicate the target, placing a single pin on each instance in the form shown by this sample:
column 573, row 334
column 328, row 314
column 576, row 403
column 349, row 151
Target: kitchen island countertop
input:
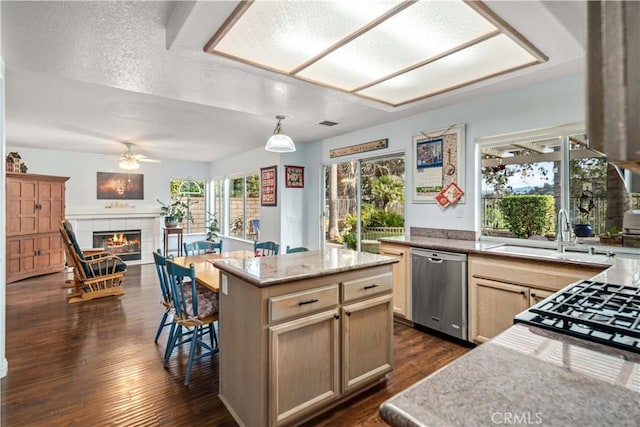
column 526, row 375
column 273, row 270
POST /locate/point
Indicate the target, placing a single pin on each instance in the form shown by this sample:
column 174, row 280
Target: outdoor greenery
column 253, row 186
column 528, row 215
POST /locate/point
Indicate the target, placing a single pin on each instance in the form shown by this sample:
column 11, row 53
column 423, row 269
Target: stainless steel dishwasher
column 439, row 291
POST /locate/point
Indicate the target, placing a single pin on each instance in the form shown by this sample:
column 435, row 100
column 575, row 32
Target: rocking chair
column 95, row 276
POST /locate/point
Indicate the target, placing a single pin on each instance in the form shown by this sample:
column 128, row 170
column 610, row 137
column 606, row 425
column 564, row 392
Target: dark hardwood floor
column 95, row 363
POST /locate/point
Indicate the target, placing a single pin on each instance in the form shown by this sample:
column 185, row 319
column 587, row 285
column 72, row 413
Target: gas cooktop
column 595, row 311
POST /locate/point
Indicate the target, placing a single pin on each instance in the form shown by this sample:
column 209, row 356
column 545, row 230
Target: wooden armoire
column 35, row 207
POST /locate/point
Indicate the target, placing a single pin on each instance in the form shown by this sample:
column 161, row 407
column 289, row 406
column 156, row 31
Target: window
column 244, row 207
column 217, row 209
column 527, row 177
column 189, row 196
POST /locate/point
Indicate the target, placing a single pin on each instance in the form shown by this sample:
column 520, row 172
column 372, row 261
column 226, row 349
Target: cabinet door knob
column 522, row 293
column 533, row 295
column 348, row 313
column 336, row 316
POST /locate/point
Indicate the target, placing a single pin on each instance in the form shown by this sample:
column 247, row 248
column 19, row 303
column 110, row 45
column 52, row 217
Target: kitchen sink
column 582, row 257
column 524, row 250
column 553, row 254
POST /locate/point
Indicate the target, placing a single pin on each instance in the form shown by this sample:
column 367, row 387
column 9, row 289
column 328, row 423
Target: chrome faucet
column 563, row 229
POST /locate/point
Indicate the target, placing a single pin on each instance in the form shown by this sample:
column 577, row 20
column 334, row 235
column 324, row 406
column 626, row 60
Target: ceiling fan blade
column 148, row 160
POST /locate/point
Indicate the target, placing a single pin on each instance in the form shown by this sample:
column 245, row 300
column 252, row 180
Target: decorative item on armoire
column 13, row 163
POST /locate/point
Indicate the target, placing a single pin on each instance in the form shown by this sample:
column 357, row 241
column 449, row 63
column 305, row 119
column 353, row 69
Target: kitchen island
column 302, row 332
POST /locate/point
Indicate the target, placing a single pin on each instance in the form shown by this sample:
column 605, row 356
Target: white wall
column 287, row 223
column 82, row 168
column 296, row 220
column 548, row 104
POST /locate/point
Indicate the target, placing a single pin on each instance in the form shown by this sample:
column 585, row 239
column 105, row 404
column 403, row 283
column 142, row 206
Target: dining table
column 207, row 274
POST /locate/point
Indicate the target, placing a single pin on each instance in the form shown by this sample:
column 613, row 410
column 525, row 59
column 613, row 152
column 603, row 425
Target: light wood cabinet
column 35, row 207
column 500, row 288
column 401, row 278
column 303, row 365
column 496, row 303
column 537, row 295
column 366, row 341
column 292, row 350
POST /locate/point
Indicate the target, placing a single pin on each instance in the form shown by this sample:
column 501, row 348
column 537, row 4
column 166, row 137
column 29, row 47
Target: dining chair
column 291, row 250
column 202, row 247
column 195, row 312
column 166, row 301
column 266, row 248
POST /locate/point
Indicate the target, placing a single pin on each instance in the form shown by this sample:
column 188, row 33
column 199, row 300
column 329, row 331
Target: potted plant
column 584, row 228
column 174, row 212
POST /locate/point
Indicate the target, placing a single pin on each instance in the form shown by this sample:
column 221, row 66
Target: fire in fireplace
column 124, row 243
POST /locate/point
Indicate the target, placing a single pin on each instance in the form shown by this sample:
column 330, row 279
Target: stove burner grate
column 592, row 310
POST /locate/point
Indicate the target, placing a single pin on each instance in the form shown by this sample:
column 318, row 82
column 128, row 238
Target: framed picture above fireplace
column 128, row 186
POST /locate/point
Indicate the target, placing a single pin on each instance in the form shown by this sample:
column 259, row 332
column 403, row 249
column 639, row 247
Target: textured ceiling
column 86, row 76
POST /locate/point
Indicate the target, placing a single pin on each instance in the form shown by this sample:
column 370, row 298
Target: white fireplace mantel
column 85, row 222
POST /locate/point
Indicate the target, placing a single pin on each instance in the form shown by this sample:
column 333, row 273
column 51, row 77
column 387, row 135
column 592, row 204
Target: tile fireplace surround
column 146, row 220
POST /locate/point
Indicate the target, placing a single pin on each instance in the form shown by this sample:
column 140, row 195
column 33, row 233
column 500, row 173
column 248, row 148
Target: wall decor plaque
column 438, row 161
column 269, row 186
column 359, row 148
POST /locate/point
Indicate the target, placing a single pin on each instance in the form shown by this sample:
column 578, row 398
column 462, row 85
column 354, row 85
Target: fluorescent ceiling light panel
column 394, row 52
column 491, row 57
column 398, row 43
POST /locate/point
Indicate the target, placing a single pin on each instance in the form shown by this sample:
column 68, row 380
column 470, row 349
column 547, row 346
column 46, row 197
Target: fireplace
column 124, row 243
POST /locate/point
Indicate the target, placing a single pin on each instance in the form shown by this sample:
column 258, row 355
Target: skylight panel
column 391, row 51
column 284, row 34
column 491, row 57
column 422, row 31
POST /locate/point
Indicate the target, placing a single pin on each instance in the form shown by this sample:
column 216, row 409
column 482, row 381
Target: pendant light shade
column 279, row 142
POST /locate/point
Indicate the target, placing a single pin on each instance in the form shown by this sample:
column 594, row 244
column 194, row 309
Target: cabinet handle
column 348, row 313
column 336, row 316
column 371, row 286
column 311, row 301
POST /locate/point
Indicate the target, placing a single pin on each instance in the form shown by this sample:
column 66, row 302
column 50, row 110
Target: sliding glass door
column 363, row 201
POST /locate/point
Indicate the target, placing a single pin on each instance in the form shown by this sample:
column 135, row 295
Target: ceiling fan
column 131, row 161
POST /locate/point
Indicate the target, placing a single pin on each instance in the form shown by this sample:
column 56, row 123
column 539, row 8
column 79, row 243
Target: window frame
column 224, row 218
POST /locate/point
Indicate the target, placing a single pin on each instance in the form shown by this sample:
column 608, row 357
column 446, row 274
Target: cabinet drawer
column 367, row 286
column 301, row 303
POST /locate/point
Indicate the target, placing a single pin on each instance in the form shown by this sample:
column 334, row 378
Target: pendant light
column 279, row 142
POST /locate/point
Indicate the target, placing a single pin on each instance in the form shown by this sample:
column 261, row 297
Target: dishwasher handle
column 435, row 260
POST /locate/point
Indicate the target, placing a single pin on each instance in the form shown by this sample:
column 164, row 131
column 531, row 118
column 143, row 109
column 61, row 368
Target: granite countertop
column 526, row 375
column 622, row 269
column 273, row 270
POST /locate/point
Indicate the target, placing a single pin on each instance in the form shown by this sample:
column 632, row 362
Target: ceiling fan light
column 279, row 142
column 129, row 164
